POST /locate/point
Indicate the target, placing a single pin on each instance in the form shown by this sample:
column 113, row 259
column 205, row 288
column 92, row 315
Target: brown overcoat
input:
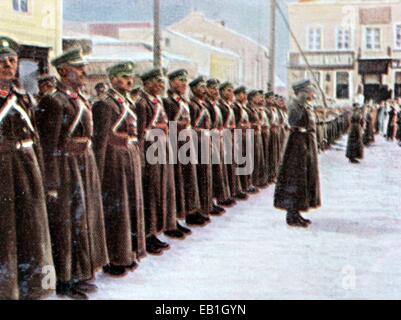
column 201, row 122
column 221, row 188
column 25, row 247
column 229, row 124
column 76, row 219
column 355, row 143
column 298, row 183
column 158, row 178
column 119, row 162
column 186, row 177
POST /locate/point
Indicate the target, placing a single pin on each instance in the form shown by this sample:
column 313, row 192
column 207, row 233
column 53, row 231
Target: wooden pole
column 157, row 54
column 272, row 46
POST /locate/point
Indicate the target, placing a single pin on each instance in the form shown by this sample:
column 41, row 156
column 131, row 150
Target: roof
column 218, row 24
column 202, row 44
column 134, row 56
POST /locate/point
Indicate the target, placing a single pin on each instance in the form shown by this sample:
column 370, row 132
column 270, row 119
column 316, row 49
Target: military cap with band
column 303, row 85
column 181, row 73
column 72, row 57
column 212, row 83
column 269, row 94
column 198, row 81
column 253, row 94
column 239, row 90
column 8, row 47
column 46, row 78
column 226, row 85
column 121, row 69
column 152, row 74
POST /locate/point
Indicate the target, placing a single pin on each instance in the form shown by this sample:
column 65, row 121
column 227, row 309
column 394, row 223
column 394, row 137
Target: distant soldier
column 158, row 178
column 255, row 103
column 226, row 106
column 355, row 143
column 221, row 188
column 186, row 177
column 72, row 180
column 274, row 143
column 118, row 157
column 392, row 115
column 47, row 85
column 242, row 119
column 298, row 184
column 101, row 89
column 368, row 135
column 25, row 248
column 201, row 122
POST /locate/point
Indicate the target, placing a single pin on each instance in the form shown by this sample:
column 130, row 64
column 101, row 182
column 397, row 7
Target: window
column 373, row 38
column 315, row 38
column 342, row 85
column 314, row 77
column 398, row 36
column 343, row 38
column 20, row 5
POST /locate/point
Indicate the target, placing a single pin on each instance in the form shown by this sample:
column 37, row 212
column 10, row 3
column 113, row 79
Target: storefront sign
column 323, row 60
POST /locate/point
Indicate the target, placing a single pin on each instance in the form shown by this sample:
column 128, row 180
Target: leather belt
column 13, row 146
column 298, row 129
column 77, row 145
column 122, row 140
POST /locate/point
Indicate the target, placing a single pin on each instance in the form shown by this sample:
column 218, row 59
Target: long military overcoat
column 76, row 219
column 298, row 184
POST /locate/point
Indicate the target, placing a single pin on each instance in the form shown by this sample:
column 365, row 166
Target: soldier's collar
column 154, row 99
column 177, row 97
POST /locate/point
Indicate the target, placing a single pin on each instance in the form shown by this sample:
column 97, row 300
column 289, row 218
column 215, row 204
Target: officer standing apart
column 298, row 185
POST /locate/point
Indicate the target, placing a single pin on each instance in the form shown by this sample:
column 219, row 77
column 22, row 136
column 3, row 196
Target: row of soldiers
column 78, row 192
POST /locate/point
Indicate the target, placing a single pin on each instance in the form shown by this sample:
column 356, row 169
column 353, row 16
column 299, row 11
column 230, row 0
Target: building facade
column 36, row 25
column 253, row 71
column 208, row 60
column 348, row 44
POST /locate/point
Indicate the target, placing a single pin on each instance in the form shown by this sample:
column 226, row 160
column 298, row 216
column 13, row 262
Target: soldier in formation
column 113, row 182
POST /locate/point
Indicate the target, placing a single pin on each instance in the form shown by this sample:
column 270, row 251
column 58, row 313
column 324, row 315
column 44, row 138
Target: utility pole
column 157, row 54
column 272, row 46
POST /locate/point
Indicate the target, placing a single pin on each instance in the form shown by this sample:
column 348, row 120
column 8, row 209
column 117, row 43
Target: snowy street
column 352, row 250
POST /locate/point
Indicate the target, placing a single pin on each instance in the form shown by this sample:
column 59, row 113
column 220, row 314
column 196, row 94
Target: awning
column 374, row 66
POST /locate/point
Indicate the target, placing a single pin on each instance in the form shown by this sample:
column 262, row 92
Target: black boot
column 85, row 286
column 228, row 203
column 216, row 211
column 152, row 248
column 133, row 266
column 159, row 243
column 115, row 271
column 252, row 190
column 304, row 220
column 293, row 220
column 195, row 220
column 175, row 234
column 68, row 290
column 184, row 229
column 218, row 208
column 353, row 160
column 241, row 196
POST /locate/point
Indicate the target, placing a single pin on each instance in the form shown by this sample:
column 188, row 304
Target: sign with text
column 323, row 60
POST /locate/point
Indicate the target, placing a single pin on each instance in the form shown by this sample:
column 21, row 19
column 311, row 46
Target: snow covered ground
column 352, row 250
